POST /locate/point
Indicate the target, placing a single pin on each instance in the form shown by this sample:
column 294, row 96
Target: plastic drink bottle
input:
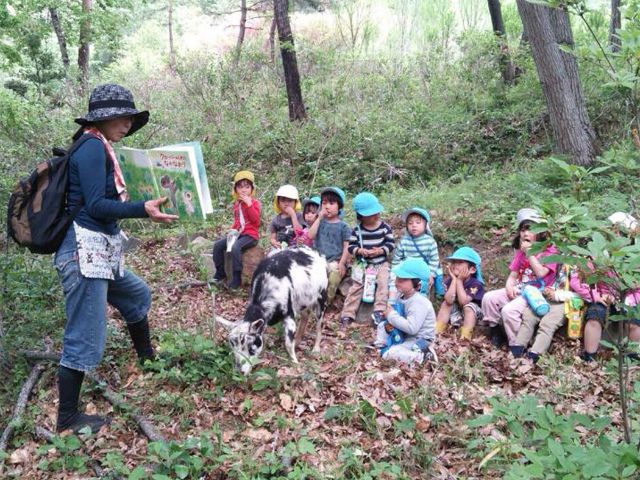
column 536, row 300
column 573, row 311
column 438, row 285
column 369, row 286
column 232, row 236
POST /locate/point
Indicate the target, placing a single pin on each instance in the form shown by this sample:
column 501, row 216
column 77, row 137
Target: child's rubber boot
column 441, row 327
column 517, row 351
column 496, row 336
column 466, row 333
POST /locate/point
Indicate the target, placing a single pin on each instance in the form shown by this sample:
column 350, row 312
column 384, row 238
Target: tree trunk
column 558, row 73
column 83, row 50
column 289, row 61
column 506, row 67
column 172, row 52
column 614, row 25
column 62, row 41
column 272, row 40
column 241, row 31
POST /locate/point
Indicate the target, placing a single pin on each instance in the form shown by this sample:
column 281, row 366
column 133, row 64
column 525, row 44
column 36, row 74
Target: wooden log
column 250, row 260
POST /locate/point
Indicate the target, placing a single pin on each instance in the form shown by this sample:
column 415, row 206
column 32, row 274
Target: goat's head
column 246, row 339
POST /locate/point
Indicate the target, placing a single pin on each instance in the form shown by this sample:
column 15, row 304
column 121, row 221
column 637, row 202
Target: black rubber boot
column 497, row 336
column 69, row 383
column 236, row 281
column 141, row 340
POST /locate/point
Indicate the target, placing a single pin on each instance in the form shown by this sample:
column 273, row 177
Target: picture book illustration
column 174, row 171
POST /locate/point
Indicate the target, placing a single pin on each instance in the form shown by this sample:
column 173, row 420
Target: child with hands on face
column 464, row 291
column 245, row 228
column 310, row 210
column 506, row 305
column 287, row 220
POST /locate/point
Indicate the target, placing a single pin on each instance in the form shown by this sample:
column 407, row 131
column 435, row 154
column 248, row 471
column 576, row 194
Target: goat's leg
column 319, row 317
column 289, row 337
column 302, row 326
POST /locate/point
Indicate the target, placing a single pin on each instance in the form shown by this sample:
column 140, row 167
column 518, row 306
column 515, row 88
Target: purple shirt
column 472, row 287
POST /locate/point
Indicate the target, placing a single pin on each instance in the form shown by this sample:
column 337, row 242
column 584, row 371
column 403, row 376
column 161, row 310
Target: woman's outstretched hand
column 152, row 207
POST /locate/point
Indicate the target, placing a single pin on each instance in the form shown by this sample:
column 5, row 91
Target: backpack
column 36, row 214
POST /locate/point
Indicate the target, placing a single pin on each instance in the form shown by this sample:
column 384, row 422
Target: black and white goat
column 284, row 285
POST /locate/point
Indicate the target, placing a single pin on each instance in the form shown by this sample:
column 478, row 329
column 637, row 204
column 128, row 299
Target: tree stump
column 250, row 260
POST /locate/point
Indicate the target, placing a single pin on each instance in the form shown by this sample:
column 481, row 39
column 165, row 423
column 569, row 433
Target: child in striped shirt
column 370, row 243
column 417, row 242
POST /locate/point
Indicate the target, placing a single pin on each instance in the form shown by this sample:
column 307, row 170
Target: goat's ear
column 257, row 326
column 225, row 323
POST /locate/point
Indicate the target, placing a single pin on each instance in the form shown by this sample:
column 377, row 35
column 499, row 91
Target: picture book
column 174, row 171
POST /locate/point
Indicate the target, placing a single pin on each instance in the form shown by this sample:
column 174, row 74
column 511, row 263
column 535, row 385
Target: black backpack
column 36, row 215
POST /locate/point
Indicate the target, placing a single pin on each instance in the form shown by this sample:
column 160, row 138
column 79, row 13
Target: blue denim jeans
column 86, row 306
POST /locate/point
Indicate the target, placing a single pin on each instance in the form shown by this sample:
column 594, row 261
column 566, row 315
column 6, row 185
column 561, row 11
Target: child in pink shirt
column 506, row 305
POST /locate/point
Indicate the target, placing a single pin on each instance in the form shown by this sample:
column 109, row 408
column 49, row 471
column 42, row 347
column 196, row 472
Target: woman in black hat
column 89, row 261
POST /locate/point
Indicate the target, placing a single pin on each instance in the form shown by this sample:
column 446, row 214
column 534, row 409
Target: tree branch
column 21, row 404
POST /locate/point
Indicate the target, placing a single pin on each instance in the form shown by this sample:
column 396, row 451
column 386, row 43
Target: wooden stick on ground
column 50, row 436
column 21, row 404
column 112, row 397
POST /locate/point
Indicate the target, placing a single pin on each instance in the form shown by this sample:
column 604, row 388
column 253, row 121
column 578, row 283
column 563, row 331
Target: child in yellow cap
column 246, row 226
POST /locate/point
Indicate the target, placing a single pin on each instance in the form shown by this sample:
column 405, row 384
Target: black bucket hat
column 110, row 101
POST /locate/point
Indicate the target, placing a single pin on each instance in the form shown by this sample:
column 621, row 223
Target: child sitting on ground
column 557, row 294
column 287, row 219
column 244, row 231
column 371, row 242
column 462, row 305
column 310, row 207
column 507, row 305
column 407, row 333
column 330, row 235
column 600, row 300
column 416, row 242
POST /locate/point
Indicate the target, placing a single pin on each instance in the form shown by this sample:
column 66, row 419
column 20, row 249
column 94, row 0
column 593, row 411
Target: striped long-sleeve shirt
column 382, row 237
column 423, row 247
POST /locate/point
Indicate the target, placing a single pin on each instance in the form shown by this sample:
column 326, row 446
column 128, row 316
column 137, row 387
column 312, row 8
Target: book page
column 197, row 165
column 172, row 169
column 138, row 174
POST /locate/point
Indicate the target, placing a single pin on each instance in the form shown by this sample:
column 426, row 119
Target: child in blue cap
column 407, row 334
column 330, row 235
column 462, row 303
column 370, row 243
column 416, row 242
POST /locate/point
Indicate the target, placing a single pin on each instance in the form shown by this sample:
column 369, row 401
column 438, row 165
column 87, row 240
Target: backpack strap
column 415, row 244
column 72, row 149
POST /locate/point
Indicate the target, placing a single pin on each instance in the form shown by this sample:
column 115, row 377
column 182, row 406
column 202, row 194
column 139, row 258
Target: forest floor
column 343, row 413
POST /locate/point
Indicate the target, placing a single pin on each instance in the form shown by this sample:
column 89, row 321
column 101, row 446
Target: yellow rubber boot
column 441, row 327
column 466, row 333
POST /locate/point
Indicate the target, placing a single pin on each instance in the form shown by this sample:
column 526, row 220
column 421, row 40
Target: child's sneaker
column 377, row 317
column 345, row 321
column 430, row 355
column 497, row 336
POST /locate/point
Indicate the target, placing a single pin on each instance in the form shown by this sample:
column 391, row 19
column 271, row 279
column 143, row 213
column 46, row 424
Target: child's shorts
column 597, row 311
column 456, row 318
